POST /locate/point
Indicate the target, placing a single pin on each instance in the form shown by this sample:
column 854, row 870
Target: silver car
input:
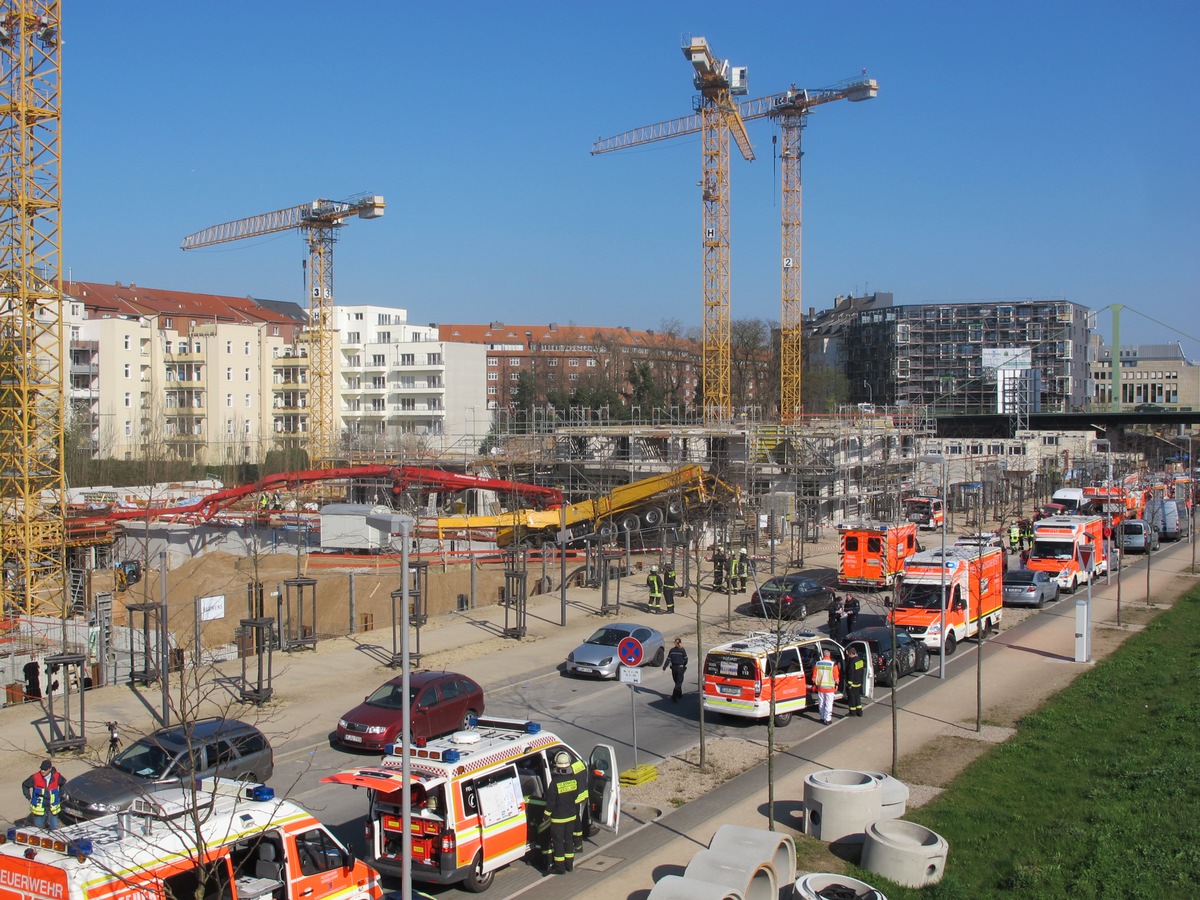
column 1026, row 587
column 597, row 656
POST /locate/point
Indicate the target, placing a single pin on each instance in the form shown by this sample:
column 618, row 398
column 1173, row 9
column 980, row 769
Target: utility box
column 344, row 528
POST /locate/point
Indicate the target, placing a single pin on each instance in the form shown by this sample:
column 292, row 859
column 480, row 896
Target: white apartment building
column 400, row 387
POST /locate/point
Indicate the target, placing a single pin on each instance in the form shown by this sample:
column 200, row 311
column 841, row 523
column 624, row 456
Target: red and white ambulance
column 872, row 554
column 973, row 578
column 1071, row 548
column 222, row 840
column 476, row 802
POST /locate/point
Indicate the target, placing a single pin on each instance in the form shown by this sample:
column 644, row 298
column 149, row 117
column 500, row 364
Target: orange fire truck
column 973, row 578
column 872, row 554
column 477, row 800
column 925, row 512
column 223, row 840
column 1115, row 503
column 1071, row 548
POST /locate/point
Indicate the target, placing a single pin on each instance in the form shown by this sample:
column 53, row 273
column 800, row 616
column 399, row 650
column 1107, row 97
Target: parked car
column 911, row 655
column 791, row 596
column 163, row 760
column 1138, row 536
column 597, row 656
column 441, row 703
column 1185, row 518
column 1025, row 587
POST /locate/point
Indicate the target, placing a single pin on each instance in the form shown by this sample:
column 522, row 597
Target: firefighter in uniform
column 856, row 668
column 44, row 789
column 1014, row 537
column 1026, row 534
column 741, row 570
column 654, row 583
column 825, row 677
column 670, row 583
column 562, row 808
column 720, row 562
column 579, row 770
column 835, row 617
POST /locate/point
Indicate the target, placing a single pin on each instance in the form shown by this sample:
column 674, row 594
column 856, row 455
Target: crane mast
column 318, row 222
column 791, row 107
column 32, row 384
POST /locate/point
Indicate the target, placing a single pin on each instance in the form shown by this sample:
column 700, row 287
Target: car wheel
column 1072, row 587
column 659, row 656
column 801, row 611
column 782, row 719
column 629, row 522
column 466, row 719
column 923, row 660
column 951, row 644
column 1041, row 600
column 653, row 517
column 477, row 881
column 1057, row 594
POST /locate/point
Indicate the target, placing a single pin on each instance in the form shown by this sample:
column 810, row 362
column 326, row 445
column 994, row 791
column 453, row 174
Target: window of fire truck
column 874, row 545
column 851, row 544
column 207, row 881
column 319, row 852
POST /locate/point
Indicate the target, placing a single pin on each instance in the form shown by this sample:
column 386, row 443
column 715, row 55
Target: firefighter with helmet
column 562, row 808
column 670, row 584
column 741, row 570
column 654, row 584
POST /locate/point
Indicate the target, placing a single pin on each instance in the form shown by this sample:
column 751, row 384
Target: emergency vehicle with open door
column 1071, row 548
column 222, row 840
column 873, row 553
column 741, row 677
column 477, row 800
column 925, row 512
column 974, row 594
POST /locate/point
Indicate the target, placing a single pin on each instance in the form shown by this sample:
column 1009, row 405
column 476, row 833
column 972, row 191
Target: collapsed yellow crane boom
column 319, row 221
column 791, row 107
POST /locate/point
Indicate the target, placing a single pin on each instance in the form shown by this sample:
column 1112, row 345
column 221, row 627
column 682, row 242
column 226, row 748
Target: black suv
column 166, row 759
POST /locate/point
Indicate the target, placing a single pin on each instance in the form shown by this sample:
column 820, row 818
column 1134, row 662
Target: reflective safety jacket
column 655, row 584
column 855, row 669
column 46, row 789
column 825, row 676
column 564, row 797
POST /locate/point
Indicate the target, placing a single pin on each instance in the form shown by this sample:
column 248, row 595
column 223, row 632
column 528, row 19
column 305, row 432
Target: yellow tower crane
column 791, row 108
column 318, row 222
column 32, row 383
column 717, row 119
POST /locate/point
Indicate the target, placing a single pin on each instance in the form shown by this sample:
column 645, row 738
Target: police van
column 742, row 677
column 222, row 840
column 477, row 800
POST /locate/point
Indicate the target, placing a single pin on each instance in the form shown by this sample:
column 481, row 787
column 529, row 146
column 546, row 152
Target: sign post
column 630, row 652
column 1083, row 609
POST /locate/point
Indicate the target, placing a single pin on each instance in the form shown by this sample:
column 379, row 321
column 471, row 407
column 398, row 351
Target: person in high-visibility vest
column 44, row 789
column 654, row 584
column 825, row 677
column 741, row 570
column 562, row 808
column 1014, row 537
column 670, row 583
column 856, row 668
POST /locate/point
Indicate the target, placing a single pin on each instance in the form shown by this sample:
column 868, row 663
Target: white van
column 1163, row 514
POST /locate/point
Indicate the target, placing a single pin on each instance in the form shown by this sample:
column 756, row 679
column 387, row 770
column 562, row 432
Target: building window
column 352, row 337
column 126, row 342
column 514, row 361
column 385, row 337
column 493, row 361
column 591, row 363
column 248, row 428
column 408, row 359
column 229, row 426
column 170, row 347
column 433, row 381
column 573, row 363
column 377, row 359
column 493, row 376
column 247, row 401
column 229, row 401
column 169, row 322
column 128, row 399
column 229, row 346
column 128, row 371
column 512, row 376
column 128, row 428
column 552, row 362
column 247, row 348
column 574, row 376
column 274, row 333
column 492, row 390
column 433, row 359
column 408, row 403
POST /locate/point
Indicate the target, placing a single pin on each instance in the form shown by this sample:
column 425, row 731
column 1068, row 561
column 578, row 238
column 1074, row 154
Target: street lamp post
column 941, row 458
column 870, row 392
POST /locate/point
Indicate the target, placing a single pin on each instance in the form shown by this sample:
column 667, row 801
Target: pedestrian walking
column 835, row 617
column 654, row 584
column 677, row 661
column 114, row 739
column 856, row 668
column 853, row 607
column 562, row 808
column 44, row 789
column 825, row 677
column 670, row 583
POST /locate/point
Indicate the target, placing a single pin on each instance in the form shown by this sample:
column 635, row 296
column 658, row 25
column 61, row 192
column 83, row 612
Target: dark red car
column 442, row 702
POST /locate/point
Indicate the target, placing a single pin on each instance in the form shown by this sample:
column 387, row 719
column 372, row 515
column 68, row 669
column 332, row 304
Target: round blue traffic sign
column 630, row 651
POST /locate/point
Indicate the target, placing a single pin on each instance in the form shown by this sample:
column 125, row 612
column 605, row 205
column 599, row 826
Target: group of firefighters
column 731, row 574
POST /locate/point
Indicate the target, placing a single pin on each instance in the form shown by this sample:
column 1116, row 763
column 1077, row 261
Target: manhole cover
column 599, row 863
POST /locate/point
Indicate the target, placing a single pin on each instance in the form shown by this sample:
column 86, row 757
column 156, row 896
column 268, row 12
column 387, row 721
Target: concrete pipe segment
column 904, row 852
column 753, row 878
column 810, row 886
column 894, row 796
column 677, row 887
column 840, row 804
column 758, row 843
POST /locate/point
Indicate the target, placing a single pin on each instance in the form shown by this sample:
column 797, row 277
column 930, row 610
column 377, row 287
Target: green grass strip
column 1098, row 793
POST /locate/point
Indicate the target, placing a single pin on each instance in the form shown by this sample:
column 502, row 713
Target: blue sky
column 1016, row 150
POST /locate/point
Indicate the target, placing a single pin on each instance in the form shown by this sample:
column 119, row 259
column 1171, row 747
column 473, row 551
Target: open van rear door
column 604, row 788
column 864, row 653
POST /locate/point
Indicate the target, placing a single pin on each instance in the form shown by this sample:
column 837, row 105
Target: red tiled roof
column 119, row 299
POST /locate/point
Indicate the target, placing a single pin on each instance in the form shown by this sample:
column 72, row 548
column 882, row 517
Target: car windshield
column 145, row 759
column 1132, row 528
column 1052, row 550
column 920, row 596
column 1019, row 577
column 391, row 696
column 608, row 637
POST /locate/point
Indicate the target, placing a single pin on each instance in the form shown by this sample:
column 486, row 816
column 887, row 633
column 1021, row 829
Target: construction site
column 110, row 583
